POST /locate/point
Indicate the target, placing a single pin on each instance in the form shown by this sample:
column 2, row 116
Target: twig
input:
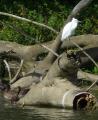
column 88, row 89
column 90, row 59
column 50, row 50
column 8, row 68
column 30, row 21
column 18, row 71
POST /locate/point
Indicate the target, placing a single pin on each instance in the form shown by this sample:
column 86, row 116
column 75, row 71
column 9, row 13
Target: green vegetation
column 52, row 13
column 91, row 69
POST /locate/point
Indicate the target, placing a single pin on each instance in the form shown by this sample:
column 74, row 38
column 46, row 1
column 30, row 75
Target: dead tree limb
column 18, row 71
column 84, row 41
column 8, row 68
column 27, row 20
column 78, row 8
column 50, row 50
column 89, row 88
column 87, row 76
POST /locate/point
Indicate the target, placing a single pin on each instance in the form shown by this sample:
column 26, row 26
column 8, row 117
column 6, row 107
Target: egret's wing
column 74, row 26
column 66, row 31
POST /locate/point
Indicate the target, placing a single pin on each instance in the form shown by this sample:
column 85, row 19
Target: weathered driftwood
column 84, row 41
column 59, row 96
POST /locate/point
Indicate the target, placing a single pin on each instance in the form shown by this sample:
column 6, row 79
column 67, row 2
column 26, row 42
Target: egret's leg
column 68, row 42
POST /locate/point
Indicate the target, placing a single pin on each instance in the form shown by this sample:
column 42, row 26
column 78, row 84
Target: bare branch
column 18, row 71
column 30, row 21
column 8, row 68
column 50, row 50
column 88, row 89
column 78, row 8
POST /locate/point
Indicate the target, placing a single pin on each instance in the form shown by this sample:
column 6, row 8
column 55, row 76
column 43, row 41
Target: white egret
column 69, row 28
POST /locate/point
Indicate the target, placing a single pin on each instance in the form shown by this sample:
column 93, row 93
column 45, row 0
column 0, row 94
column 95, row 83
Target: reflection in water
column 8, row 112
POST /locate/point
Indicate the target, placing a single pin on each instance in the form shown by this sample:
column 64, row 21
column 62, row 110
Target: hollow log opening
column 84, row 101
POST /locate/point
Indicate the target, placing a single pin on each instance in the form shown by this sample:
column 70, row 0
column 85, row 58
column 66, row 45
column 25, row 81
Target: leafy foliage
column 52, row 13
column 91, row 69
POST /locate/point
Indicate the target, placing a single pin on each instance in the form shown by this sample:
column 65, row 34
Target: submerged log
column 59, row 97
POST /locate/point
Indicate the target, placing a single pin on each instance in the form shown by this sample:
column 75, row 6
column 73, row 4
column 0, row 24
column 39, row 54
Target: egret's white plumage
column 69, row 29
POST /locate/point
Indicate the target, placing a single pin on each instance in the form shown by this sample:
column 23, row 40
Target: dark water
column 8, row 112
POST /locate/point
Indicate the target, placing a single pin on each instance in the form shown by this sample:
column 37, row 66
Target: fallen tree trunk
column 63, row 98
column 31, row 52
column 84, row 41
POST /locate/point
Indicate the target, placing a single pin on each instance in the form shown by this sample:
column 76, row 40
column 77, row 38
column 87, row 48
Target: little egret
column 69, row 28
